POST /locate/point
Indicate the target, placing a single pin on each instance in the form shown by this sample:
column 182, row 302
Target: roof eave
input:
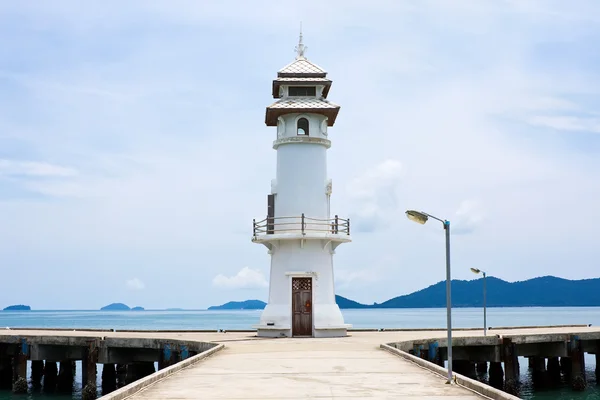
column 302, row 74
column 272, row 114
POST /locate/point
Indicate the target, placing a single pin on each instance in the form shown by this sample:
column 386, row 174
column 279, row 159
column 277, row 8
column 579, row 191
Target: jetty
column 239, row 364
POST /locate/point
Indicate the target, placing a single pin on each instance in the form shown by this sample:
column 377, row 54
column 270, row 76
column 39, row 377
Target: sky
column 134, row 153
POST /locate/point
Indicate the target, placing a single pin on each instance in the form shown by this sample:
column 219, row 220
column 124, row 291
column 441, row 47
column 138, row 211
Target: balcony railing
column 302, row 224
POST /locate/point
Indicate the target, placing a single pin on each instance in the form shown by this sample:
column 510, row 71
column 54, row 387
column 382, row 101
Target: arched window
column 302, row 127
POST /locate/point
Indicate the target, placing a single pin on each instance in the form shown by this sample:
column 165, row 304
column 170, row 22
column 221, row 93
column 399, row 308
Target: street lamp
column 477, row 271
column 421, row 217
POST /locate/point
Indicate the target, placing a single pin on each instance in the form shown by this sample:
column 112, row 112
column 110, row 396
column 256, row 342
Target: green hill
column 545, row 291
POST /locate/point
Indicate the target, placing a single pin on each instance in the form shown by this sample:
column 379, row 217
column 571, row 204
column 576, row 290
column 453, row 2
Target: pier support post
column 138, row 370
column 566, row 367
column 65, row 377
column 6, row 371
column 496, row 375
column 121, row 375
column 50, row 376
column 578, row 382
column 538, row 366
column 464, row 367
column 553, row 369
column 598, row 365
column 20, row 368
column 109, row 378
column 37, row 372
column 482, row 367
column 511, row 367
column 88, row 367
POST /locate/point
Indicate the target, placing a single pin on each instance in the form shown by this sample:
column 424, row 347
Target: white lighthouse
column 299, row 230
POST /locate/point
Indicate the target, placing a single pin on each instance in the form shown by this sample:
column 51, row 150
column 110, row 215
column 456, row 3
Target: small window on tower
column 302, row 91
column 302, row 126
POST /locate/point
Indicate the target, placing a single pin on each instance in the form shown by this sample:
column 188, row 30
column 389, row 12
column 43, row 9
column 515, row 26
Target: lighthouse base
column 277, row 321
column 322, row 332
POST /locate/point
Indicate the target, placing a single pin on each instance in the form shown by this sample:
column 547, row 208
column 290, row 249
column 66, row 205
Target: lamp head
column 475, row 270
column 417, row 216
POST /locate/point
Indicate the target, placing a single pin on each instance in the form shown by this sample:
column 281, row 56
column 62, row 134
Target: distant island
column 138, row 308
column 241, row 305
column 116, row 307
column 546, row 291
column 18, row 307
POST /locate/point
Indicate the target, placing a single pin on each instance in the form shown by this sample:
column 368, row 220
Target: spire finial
column 301, row 48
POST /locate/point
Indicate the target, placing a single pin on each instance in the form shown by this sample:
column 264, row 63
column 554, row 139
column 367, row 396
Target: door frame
column 312, row 300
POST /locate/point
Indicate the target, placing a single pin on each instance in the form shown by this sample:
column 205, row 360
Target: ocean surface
column 370, row 318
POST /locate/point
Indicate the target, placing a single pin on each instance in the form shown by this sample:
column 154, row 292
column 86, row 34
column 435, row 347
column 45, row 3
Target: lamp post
column 421, row 217
column 477, row 271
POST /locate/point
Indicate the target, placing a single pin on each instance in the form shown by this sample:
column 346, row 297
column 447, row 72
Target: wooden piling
column 89, row 371
column 511, row 367
column 565, row 366
column 50, row 376
column 538, row 373
column 121, row 375
column 37, row 372
column 482, row 367
column 6, row 370
column 496, row 375
column 65, row 377
column 578, row 382
column 553, row 371
column 109, row 378
column 598, row 365
column 20, row 385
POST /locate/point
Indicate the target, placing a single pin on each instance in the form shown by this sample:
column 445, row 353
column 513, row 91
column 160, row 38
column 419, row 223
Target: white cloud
column 246, row 278
column 135, row 284
column 565, row 123
column 34, row 169
column 468, row 217
column 374, row 196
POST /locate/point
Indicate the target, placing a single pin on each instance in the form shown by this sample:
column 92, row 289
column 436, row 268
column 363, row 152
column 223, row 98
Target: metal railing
column 301, row 224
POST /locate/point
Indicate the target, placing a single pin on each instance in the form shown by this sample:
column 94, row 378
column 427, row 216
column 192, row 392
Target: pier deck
column 249, row 367
column 300, row 369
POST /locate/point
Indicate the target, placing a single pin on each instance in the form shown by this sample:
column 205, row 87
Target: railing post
column 303, row 223
column 254, row 227
column 348, row 226
column 336, row 224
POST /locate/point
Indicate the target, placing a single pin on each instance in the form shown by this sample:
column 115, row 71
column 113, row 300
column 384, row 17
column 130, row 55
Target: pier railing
column 301, row 224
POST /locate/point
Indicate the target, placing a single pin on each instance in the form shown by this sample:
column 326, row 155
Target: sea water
column 359, row 318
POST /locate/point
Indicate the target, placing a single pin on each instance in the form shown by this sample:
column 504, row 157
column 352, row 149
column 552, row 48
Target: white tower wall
column 301, row 180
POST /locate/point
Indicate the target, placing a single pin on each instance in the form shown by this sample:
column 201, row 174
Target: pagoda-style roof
column 301, row 67
column 301, row 72
column 300, row 105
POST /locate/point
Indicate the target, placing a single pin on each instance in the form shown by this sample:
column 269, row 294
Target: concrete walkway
column 300, row 369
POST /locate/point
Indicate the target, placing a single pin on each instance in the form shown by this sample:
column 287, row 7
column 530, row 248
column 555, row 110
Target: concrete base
column 318, row 332
column 332, row 331
column 327, row 319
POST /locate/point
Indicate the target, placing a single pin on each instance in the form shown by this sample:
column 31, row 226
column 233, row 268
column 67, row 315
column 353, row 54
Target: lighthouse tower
column 299, row 230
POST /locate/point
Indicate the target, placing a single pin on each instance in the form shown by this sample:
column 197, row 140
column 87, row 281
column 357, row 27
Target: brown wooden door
column 301, row 306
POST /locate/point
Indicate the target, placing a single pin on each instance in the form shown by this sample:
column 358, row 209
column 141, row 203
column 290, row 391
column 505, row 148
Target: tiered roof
column 301, row 72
